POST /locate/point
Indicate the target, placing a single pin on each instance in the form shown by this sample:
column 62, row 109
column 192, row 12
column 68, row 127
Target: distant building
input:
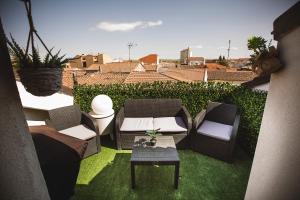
column 151, row 59
column 185, row 54
column 196, row 61
column 186, row 58
column 116, row 67
column 84, row 61
column 239, row 62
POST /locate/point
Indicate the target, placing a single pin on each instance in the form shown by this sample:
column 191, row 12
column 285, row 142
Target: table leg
column 176, row 175
column 132, row 175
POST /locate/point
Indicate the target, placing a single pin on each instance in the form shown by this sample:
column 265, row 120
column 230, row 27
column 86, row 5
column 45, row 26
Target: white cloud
column 127, row 26
column 157, row 23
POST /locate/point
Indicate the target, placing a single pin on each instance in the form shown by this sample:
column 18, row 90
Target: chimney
column 205, row 75
column 74, row 75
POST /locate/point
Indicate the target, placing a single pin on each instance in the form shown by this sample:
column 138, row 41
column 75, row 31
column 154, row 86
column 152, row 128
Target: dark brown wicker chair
column 152, row 108
column 215, row 130
column 71, row 116
column 59, row 156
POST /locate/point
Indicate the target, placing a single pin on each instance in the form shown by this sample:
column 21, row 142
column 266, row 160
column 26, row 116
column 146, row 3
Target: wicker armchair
column 215, row 131
column 158, row 109
column 71, row 121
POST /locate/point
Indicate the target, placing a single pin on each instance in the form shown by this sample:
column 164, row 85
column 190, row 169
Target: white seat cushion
column 137, row 124
column 80, row 132
column 216, row 130
column 35, row 123
column 169, row 124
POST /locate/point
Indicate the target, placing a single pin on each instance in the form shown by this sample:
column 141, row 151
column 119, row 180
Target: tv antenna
column 228, row 50
column 130, row 45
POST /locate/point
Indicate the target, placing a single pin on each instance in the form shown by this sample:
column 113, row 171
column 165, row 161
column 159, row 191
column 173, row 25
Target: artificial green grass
column 107, row 176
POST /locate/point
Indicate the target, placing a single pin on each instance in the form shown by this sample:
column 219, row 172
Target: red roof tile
column 185, row 75
column 149, row 59
column 240, row 76
column 149, row 77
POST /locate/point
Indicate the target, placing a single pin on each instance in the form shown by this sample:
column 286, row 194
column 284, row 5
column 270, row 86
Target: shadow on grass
column 202, row 177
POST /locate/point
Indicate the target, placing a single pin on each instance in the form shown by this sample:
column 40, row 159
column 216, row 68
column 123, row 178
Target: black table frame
column 176, row 163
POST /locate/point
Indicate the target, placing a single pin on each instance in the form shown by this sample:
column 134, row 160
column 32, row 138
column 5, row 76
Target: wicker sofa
column 139, row 115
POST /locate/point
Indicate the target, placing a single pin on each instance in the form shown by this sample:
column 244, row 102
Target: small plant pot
column 267, row 63
column 41, row 81
column 153, row 142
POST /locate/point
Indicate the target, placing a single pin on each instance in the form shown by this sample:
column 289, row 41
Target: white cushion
column 80, row 132
column 169, row 124
column 137, row 124
column 35, row 123
column 216, row 130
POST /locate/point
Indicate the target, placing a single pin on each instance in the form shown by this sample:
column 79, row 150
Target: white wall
column 275, row 172
column 264, row 87
column 43, row 103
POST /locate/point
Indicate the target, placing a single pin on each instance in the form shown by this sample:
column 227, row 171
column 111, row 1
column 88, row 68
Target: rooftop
column 239, row 76
column 149, row 77
column 185, row 75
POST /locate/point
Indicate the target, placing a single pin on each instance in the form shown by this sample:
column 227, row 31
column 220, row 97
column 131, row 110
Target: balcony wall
column 275, row 170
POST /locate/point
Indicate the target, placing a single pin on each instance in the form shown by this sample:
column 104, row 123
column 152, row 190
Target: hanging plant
column 265, row 59
column 39, row 77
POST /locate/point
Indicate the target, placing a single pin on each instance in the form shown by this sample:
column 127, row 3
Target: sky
column 156, row 26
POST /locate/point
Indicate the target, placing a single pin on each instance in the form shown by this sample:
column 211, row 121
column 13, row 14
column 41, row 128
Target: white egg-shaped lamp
column 103, row 112
column 102, row 105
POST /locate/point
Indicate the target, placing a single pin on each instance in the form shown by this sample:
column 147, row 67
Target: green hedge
column 194, row 96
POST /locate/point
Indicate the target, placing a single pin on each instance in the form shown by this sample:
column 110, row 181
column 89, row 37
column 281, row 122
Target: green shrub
column 194, row 96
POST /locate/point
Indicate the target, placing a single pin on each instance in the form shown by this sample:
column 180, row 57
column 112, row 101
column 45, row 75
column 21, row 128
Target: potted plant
column 40, row 78
column 265, row 59
column 153, row 134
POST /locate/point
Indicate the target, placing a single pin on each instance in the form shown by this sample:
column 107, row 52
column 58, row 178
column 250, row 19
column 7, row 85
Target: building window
column 84, row 64
column 95, row 59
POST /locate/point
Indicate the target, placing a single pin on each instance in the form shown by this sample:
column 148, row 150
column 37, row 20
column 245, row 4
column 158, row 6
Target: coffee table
column 163, row 153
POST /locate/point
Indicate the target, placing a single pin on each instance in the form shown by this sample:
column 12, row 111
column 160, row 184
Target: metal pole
column 228, row 50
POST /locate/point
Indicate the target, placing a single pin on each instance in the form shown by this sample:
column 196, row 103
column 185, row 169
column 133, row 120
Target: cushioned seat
column 139, row 115
column 216, row 130
column 71, row 121
column 169, row 124
column 137, row 124
column 79, row 131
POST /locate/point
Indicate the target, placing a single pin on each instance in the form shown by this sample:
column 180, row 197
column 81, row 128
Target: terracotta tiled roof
column 69, row 72
column 117, row 67
column 103, row 79
column 230, row 76
column 149, row 59
column 91, row 79
column 149, row 77
column 196, row 59
column 93, row 67
column 215, row 66
column 150, row 67
column 186, row 75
